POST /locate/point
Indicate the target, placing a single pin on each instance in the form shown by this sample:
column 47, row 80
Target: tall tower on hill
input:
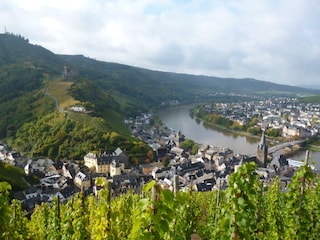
column 262, row 151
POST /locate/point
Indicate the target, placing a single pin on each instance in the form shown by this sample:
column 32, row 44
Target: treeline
column 247, row 209
column 310, row 99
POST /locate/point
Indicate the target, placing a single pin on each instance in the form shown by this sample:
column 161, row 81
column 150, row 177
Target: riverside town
column 175, row 164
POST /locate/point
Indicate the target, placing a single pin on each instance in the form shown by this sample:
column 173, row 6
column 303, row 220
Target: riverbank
column 314, row 148
column 242, row 133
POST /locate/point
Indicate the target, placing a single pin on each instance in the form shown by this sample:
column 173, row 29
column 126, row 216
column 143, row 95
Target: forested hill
column 15, row 49
column 35, row 97
column 24, row 69
column 165, row 82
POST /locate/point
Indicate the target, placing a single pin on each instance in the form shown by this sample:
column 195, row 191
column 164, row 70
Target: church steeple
column 262, row 151
column 262, row 142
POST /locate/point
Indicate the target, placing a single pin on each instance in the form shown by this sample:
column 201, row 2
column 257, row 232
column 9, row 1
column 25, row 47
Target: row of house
column 292, row 118
column 109, row 163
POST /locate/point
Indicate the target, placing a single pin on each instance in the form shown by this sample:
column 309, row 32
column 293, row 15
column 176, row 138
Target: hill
column 147, row 88
column 38, row 87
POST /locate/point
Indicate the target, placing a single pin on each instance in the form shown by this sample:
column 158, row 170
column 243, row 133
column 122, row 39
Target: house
column 124, row 181
column 209, row 153
column 228, row 153
column 31, row 192
column 82, row 181
column 67, row 193
column 116, row 168
column 77, row 109
column 40, row 167
column 90, row 160
column 56, row 181
column 218, row 158
column 291, row 131
column 103, row 163
column 165, row 172
column 177, row 151
column 121, row 157
column 166, row 184
column 56, row 168
column 69, row 170
column 189, row 168
column 204, row 177
column 204, row 187
column 148, row 167
column 48, row 193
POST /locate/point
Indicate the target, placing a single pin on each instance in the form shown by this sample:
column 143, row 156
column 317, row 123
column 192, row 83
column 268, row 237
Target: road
column 284, row 145
column 55, row 100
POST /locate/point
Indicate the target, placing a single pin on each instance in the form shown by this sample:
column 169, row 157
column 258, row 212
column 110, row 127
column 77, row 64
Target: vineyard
column 247, row 209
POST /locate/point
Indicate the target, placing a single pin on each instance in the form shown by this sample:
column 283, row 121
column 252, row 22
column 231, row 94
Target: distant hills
column 111, row 92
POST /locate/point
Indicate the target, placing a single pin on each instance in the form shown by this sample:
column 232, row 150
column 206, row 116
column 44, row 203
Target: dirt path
column 55, row 100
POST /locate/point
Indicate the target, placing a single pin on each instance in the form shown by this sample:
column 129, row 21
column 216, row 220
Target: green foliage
column 247, row 209
column 310, row 99
column 189, row 145
column 314, row 140
column 273, row 132
column 56, row 136
column 165, row 161
column 12, row 220
column 254, row 130
column 13, row 175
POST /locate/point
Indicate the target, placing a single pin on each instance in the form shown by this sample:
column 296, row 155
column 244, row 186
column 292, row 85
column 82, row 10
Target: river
column 179, row 119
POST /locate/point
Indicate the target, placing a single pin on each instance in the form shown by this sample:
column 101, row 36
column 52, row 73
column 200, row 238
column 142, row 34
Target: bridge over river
column 280, row 146
column 284, row 145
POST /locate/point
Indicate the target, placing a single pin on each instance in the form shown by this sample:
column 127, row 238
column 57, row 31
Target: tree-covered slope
column 16, row 49
column 24, row 70
column 147, row 88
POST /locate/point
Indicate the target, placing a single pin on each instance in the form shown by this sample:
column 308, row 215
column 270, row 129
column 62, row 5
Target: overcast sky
column 276, row 41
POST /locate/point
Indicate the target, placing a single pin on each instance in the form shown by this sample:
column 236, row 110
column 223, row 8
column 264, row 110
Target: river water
column 179, row 119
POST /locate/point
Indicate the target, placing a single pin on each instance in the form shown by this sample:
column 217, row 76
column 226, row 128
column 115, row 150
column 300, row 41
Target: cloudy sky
column 272, row 40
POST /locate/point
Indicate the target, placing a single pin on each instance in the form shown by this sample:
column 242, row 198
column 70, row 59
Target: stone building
column 262, row 151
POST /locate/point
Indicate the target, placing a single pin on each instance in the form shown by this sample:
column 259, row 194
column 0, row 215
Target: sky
column 271, row 40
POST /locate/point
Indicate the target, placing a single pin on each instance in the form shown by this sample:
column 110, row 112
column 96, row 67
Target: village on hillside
column 206, row 170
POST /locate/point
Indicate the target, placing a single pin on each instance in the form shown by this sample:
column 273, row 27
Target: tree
column 254, row 130
column 187, row 144
column 165, row 161
column 273, row 132
column 5, row 189
column 135, row 160
column 150, row 155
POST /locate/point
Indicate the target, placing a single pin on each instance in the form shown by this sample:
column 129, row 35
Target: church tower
column 262, row 151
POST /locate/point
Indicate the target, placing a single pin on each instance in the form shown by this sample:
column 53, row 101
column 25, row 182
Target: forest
column 247, row 209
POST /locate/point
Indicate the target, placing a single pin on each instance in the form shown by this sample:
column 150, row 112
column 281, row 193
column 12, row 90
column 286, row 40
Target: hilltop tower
column 262, row 151
column 65, row 72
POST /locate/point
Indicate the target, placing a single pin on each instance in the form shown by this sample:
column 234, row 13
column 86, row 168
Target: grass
column 59, row 89
column 110, row 121
column 88, row 120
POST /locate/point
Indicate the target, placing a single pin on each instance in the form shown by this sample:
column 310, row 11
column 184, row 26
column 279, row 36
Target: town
column 206, row 170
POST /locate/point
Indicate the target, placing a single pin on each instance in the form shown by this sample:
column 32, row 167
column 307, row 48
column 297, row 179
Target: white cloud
column 271, row 40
